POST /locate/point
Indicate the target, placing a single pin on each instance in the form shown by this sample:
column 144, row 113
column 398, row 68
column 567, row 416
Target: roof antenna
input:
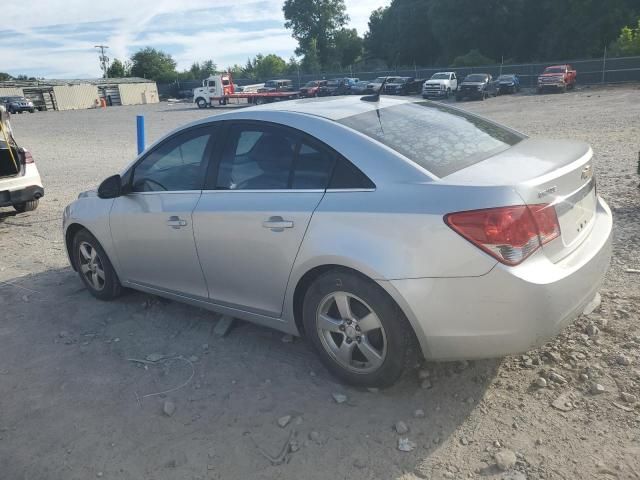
column 376, row 96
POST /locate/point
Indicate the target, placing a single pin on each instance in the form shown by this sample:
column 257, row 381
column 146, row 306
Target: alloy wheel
column 351, row 332
column 91, row 266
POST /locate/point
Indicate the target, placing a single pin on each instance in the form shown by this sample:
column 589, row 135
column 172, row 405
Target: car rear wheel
column 94, row 267
column 26, row 206
column 358, row 331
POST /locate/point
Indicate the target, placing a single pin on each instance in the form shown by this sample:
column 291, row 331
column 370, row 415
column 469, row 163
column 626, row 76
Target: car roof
column 331, row 108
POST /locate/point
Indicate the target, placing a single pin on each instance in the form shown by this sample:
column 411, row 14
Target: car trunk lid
column 555, row 172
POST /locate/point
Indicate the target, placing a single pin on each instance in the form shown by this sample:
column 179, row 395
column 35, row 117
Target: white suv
column 20, row 184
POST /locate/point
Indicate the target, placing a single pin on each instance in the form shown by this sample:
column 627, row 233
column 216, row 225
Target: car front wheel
column 94, row 267
column 358, row 331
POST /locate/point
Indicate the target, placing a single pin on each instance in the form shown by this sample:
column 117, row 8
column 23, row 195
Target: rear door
column 152, row 227
column 254, row 212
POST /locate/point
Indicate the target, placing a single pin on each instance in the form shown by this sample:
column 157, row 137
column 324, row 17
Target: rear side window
column 346, row 176
column 257, row 159
column 312, row 168
column 439, row 139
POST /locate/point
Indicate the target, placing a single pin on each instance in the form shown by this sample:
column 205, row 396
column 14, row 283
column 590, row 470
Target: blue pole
column 140, row 129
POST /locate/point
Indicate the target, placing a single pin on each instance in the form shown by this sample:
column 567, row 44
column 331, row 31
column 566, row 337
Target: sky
column 56, row 38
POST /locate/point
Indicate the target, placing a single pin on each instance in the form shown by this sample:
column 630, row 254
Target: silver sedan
column 378, row 230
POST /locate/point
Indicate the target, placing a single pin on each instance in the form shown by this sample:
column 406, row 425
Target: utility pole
column 604, row 63
column 104, row 60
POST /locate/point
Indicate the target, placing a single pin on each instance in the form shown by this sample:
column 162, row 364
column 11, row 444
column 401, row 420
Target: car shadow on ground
column 82, row 384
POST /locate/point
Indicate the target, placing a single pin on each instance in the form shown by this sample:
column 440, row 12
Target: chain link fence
column 590, row 72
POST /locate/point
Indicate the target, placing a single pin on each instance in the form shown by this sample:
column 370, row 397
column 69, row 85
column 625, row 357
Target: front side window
column 178, row 164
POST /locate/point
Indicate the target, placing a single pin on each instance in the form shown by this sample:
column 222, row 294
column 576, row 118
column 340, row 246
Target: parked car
column 508, row 83
column 20, row 183
column 360, row 88
column 441, row 84
column 278, row 215
column 374, row 85
column 557, row 77
column 477, row 86
column 351, row 82
column 311, row 88
column 337, row 86
column 276, row 86
column 17, row 104
column 403, row 86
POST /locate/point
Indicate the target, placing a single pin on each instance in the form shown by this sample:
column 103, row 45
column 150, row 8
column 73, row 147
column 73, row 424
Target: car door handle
column 176, row 222
column 277, row 224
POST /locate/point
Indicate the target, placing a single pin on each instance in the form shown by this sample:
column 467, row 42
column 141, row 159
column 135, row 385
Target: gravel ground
column 75, row 402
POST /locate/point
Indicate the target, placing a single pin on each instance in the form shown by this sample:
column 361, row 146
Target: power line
column 104, row 60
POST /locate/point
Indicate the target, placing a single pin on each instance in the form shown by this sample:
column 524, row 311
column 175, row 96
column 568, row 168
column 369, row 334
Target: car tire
column 90, row 260
column 29, row 206
column 201, row 102
column 367, row 341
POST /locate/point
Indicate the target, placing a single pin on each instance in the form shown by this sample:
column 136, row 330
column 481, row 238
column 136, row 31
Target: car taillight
column 27, row 157
column 510, row 234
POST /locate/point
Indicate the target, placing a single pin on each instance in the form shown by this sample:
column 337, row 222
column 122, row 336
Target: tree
column 199, row 71
column 431, row 32
column 5, row 76
column 237, row 71
column 628, row 43
column 118, row 69
column 154, row 65
column 473, row 58
column 269, row 66
column 315, row 21
column 348, row 47
column 311, row 60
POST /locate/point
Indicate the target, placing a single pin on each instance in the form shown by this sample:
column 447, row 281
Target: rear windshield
column 440, row 139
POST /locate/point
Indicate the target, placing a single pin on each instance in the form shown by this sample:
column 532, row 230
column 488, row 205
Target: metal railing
column 590, row 72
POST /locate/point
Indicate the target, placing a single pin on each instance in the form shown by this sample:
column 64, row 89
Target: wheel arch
column 307, row 279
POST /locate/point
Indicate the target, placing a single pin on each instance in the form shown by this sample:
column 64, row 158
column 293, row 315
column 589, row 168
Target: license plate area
column 576, row 214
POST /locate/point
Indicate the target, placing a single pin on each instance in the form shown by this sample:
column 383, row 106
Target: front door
column 152, row 225
column 251, row 220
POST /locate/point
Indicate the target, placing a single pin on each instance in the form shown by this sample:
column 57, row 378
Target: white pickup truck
column 441, row 84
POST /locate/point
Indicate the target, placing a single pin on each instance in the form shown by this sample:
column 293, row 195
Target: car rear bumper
column 510, row 309
column 14, row 197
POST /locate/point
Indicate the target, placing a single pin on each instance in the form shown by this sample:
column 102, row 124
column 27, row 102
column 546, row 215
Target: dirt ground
column 81, row 381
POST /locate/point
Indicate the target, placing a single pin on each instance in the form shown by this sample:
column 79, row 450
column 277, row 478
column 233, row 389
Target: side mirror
column 111, row 187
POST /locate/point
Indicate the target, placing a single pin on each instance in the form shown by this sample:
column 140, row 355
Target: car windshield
column 16, row 99
column 333, row 83
column 554, row 70
column 442, row 140
column 270, row 83
column 440, row 76
column 311, row 84
column 475, row 78
column 379, row 80
column 506, row 77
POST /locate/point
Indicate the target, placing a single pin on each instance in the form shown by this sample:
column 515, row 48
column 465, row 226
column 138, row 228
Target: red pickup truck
column 557, row 77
